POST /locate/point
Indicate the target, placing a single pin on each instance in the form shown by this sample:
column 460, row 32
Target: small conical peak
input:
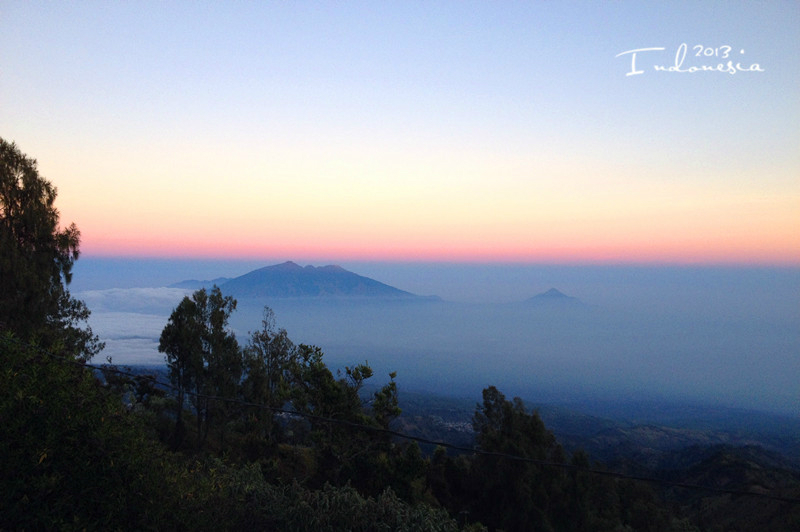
column 554, row 292
column 554, row 296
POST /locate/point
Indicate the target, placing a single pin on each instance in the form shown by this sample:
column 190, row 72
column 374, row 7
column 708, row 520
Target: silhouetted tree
column 267, row 360
column 72, row 455
column 181, row 340
column 222, row 357
column 511, row 494
column 36, row 262
column 203, row 356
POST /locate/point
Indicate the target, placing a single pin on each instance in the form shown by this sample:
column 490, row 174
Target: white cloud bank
column 130, row 321
column 140, row 300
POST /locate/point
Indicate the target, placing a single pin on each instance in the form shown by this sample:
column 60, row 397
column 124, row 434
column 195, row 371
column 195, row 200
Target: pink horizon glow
column 600, row 254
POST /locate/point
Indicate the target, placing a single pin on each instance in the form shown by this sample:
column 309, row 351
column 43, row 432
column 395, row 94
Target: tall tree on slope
column 36, row 262
column 203, row 357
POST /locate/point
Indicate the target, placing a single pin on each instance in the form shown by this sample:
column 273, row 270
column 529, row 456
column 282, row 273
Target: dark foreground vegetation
column 266, row 437
column 81, row 452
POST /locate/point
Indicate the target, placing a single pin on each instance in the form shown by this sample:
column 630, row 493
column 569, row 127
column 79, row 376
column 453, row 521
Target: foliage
column 515, row 495
column 511, row 484
column 250, row 502
column 180, row 340
column 267, row 362
column 72, row 456
column 203, row 357
column 268, row 357
column 36, row 261
column 343, row 451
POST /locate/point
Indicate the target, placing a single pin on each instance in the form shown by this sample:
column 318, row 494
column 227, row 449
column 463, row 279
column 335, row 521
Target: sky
column 513, row 132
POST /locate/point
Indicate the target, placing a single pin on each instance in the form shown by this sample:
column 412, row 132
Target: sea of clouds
column 727, row 337
column 130, row 321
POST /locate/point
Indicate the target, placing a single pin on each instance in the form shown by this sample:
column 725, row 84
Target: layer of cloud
column 131, row 337
column 138, row 300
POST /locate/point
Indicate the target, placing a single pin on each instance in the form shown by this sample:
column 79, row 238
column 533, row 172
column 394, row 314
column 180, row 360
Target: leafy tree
column 385, row 404
column 342, row 450
column 514, row 495
column 513, row 487
column 222, row 358
column 203, row 357
column 277, row 372
column 36, row 261
column 182, row 343
column 268, row 359
column 366, row 459
column 72, row 456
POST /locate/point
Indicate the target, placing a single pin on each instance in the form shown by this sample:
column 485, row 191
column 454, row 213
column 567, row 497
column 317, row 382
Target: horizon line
column 482, row 261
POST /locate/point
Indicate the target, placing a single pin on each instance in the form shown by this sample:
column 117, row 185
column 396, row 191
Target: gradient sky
column 474, row 131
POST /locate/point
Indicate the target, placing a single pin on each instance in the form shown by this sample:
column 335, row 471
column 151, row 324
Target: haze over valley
column 716, row 336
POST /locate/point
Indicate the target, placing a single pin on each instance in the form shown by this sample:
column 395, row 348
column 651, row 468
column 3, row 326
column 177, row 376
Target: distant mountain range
column 289, row 280
column 194, row 284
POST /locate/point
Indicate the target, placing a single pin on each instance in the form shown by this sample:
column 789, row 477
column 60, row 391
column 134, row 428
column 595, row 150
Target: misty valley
column 695, row 347
column 717, row 338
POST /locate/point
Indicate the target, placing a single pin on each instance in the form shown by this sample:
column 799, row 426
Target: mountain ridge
column 194, row 284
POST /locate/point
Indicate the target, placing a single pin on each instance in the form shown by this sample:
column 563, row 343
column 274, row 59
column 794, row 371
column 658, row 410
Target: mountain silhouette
column 291, row 280
column 553, row 297
column 194, row 284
